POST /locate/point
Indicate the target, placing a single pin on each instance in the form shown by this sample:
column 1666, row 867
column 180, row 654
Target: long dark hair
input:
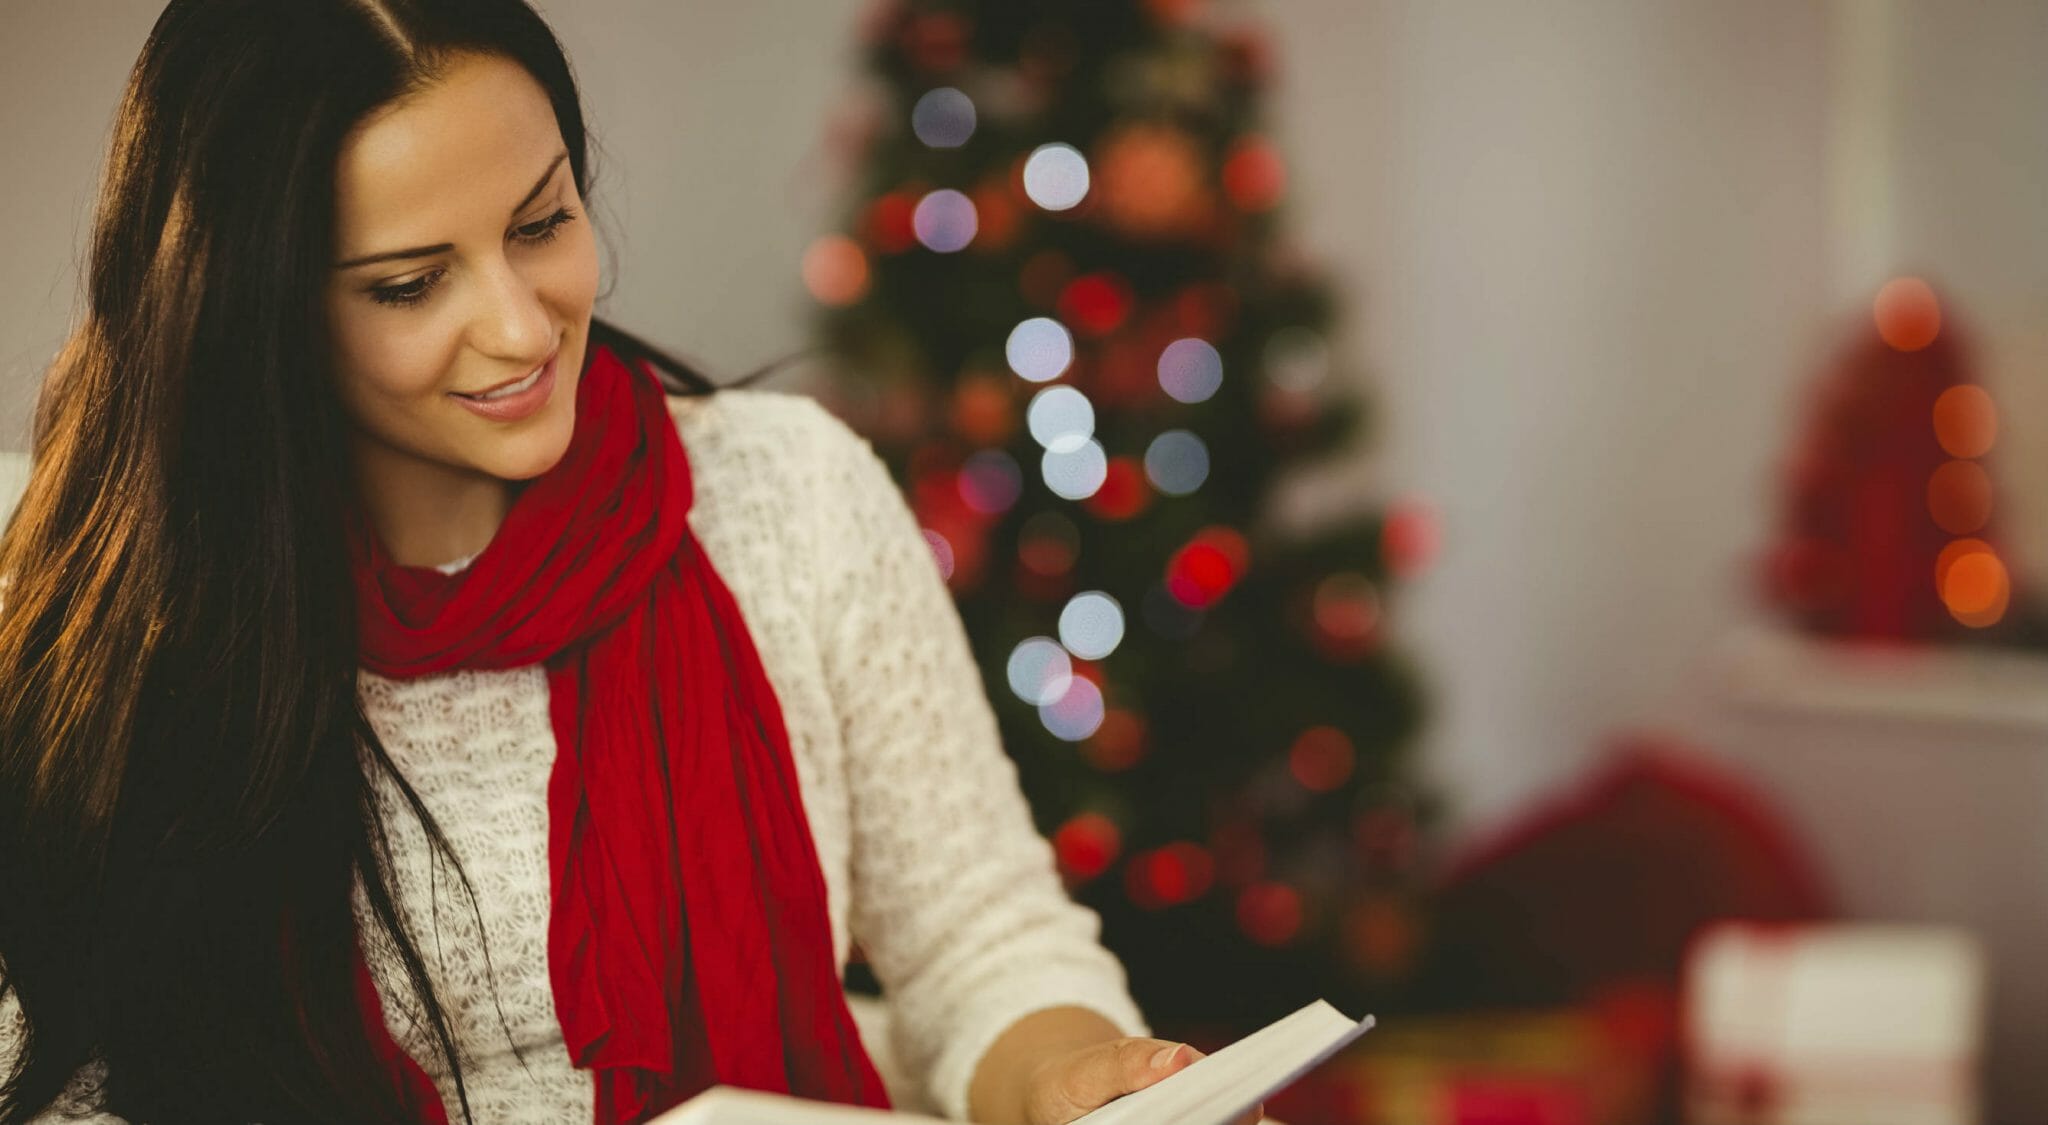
column 185, row 785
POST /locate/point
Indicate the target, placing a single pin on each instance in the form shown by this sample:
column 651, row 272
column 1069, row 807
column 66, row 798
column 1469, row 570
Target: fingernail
column 1165, row 1056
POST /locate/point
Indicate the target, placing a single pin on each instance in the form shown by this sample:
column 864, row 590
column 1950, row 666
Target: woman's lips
column 511, row 408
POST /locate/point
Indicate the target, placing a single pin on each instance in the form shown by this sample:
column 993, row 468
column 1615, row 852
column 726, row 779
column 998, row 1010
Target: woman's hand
column 1069, row 1085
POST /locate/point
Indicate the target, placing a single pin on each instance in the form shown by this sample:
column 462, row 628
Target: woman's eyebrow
column 442, row 248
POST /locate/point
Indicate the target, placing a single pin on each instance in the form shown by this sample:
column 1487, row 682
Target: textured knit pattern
column 930, row 858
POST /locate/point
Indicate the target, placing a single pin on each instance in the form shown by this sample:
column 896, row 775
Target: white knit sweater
column 930, row 858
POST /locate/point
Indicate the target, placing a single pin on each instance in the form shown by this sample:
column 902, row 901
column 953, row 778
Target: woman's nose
column 513, row 322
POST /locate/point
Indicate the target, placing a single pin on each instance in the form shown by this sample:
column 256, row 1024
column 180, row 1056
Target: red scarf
column 687, row 938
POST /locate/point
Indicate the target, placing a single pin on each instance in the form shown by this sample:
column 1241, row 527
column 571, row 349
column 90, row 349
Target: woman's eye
column 415, row 291
column 546, row 230
column 411, row 293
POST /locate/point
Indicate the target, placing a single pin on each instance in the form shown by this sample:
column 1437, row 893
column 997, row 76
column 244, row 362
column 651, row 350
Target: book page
column 1215, row 1090
column 1222, row 1087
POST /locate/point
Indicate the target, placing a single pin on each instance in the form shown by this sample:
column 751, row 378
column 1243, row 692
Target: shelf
column 1777, row 669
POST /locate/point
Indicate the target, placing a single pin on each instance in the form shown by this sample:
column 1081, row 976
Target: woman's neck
column 427, row 513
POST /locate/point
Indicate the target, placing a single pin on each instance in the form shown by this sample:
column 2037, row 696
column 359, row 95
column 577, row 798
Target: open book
column 1215, row 1090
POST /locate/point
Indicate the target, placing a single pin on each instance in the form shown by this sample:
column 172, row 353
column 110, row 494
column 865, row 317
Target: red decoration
column 1410, row 538
column 1168, row 876
column 1095, row 303
column 887, row 226
column 1119, row 743
column 1321, row 759
column 1254, row 175
column 1087, row 845
column 1269, row 913
column 1907, row 313
column 984, row 408
column 996, row 216
column 1124, row 492
column 1886, row 481
column 1151, row 181
column 1199, row 574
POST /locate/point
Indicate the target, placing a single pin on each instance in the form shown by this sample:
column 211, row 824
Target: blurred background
column 1521, row 519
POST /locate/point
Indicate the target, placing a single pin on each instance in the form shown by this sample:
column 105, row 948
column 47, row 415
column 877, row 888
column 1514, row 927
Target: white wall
column 1587, row 242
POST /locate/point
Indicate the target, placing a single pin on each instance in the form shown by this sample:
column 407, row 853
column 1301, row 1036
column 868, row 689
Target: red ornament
column 1907, row 313
column 996, row 218
column 1086, row 845
column 1321, row 759
column 1124, row 492
column 887, row 226
column 1199, row 574
column 1118, row 744
column 1410, row 538
column 1168, row 876
column 1269, row 913
column 1094, row 304
column 1254, row 175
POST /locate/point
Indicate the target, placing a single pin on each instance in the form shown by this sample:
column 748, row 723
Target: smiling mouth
column 513, row 387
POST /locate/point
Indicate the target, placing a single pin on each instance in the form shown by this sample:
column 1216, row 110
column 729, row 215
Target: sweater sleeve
column 75, row 1105
column 954, row 894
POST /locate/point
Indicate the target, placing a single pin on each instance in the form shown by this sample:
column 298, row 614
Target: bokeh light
column 1087, row 844
column 1177, row 462
column 1056, row 176
column 1321, row 759
column 1346, row 606
column 1095, row 303
column 990, row 481
column 1048, row 543
column 1976, row 587
column 1966, row 421
column 1118, row 743
column 1092, row 625
column 1411, row 536
column 1076, row 713
column 1908, row 314
column 835, row 270
column 1039, row 670
column 1060, row 418
column 1170, row 875
column 1959, row 497
column 1075, row 474
column 1254, row 175
column 1190, row 369
column 1200, row 573
column 943, row 118
column 1269, row 913
column 1296, row 358
column 1039, row 349
column 944, row 220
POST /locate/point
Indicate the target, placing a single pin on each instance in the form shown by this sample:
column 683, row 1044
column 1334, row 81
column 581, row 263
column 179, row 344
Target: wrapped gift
column 1833, row 1025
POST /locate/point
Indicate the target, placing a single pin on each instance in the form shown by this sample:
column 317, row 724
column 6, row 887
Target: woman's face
column 485, row 270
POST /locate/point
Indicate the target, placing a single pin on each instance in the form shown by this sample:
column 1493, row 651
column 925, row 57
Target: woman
column 381, row 741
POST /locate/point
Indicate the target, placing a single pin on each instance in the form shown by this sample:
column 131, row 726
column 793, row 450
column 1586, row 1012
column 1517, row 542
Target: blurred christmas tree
column 1888, row 527
column 1068, row 319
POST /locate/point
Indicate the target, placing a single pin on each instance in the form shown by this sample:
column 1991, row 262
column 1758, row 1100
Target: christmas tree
column 1065, row 312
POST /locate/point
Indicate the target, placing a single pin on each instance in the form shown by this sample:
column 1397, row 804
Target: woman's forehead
column 446, row 155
